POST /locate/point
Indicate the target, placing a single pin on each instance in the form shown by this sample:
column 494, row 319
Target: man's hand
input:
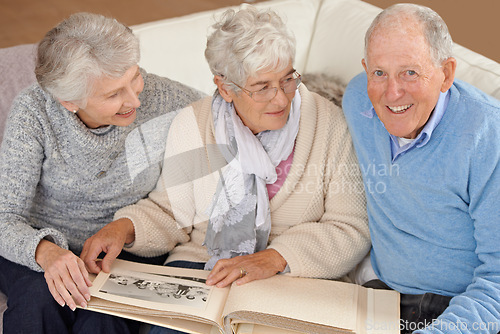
column 65, row 274
column 247, row 268
column 110, row 240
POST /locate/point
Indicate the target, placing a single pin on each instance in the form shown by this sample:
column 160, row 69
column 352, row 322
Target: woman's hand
column 65, row 274
column 110, row 239
column 246, row 268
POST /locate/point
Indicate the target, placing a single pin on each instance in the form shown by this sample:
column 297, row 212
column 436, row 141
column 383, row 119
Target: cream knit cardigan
column 319, row 221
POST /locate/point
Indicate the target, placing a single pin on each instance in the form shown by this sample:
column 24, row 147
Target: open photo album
column 178, row 298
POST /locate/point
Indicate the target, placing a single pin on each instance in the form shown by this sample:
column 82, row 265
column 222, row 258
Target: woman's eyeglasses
column 266, row 94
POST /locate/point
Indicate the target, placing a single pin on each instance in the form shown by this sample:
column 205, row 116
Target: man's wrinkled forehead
column 402, row 29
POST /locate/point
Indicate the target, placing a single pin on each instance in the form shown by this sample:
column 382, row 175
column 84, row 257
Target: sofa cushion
column 16, row 66
column 478, row 70
column 338, row 42
column 175, row 47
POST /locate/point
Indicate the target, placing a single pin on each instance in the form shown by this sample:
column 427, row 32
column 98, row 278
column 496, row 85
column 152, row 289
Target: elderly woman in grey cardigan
column 79, row 145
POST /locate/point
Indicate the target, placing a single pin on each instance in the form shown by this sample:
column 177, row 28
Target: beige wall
column 27, row 21
column 474, row 24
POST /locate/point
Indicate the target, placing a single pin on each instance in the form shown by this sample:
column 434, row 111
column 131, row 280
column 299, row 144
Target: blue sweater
column 433, row 211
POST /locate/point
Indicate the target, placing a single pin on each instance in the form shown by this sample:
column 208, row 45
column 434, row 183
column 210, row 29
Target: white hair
column 247, row 41
column 81, row 49
column 433, row 27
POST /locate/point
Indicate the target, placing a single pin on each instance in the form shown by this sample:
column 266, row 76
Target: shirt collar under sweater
column 425, row 135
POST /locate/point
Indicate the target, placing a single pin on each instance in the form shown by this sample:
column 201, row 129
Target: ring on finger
column 243, row 272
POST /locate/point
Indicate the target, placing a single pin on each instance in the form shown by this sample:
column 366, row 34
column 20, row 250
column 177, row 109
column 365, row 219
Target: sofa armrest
column 17, row 71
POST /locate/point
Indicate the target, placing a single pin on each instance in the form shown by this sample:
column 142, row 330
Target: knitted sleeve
column 167, row 94
column 21, row 158
column 477, row 309
column 165, row 218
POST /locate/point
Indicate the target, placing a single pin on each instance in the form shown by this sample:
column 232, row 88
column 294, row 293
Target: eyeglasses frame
column 298, row 81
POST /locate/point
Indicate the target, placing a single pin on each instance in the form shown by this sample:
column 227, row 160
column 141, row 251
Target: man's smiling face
column 403, row 81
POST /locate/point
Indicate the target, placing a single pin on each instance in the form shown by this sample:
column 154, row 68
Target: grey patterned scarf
column 240, row 218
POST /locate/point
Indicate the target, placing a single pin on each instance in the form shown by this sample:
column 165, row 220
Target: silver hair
column 247, row 41
column 81, row 49
column 434, row 28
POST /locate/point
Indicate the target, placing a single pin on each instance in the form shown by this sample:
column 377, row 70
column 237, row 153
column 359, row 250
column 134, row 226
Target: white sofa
column 329, row 33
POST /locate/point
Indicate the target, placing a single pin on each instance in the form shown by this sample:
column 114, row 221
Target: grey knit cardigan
column 62, row 181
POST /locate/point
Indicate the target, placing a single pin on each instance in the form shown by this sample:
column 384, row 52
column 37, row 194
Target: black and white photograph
column 187, row 291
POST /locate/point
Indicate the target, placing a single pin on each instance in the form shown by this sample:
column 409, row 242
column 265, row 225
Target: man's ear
column 69, row 105
column 363, row 62
column 224, row 91
column 449, row 66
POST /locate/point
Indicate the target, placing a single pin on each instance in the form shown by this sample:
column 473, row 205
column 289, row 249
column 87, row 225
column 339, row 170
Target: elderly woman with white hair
column 262, row 177
column 66, row 167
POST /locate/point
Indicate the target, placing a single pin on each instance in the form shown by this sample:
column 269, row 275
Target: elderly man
column 429, row 150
